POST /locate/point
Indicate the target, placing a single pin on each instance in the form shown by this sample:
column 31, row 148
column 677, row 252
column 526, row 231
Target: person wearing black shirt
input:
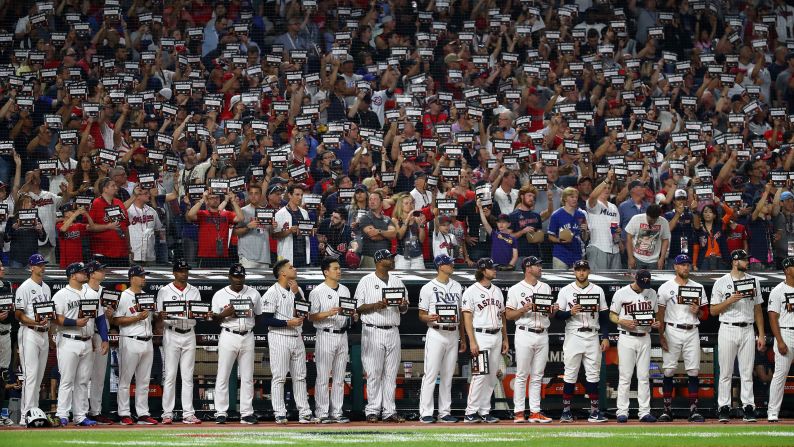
column 478, row 242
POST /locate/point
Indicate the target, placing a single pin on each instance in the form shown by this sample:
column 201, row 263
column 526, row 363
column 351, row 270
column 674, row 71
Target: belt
column 635, row 334
column 283, row 335
column 179, row 331
column 585, row 329
column 487, row 331
column 8, row 332
column 738, row 324
column 334, row 331
column 379, row 327
column 687, row 327
column 37, row 329
column 236, row 332
column 445, row 327
column 76, row 337
column 791, row 328
column 529, row 329
column 135, row 337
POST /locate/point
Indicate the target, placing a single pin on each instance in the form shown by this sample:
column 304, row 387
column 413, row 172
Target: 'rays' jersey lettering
column 437, row 293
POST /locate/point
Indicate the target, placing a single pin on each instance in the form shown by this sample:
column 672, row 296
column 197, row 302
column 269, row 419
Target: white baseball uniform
column 135, row 347
column 581, row 345
column 75, row 356
column 330, row 350
column 34, row 343
column 99, row 361
column 380, row 344
column 487, row 306
column 179, row 346
column 236, row 342
column 531, row 343
column 781, row 301
column 736, row 337
column 5, row 329
column 287, row 351
column 144, row 226
column 681, row 329
column 441, row 346
column 634, row 347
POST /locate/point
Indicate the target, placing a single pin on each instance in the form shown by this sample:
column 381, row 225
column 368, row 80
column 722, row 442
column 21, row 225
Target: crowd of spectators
column 621, row 132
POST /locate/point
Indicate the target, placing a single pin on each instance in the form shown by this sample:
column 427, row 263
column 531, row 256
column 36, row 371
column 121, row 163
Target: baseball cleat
column 539, row 418
column 281, row 420
column 394, row 418
column 327, row 420
column 220, row 419
column 308, row 419
column 648, row 419
column 342, row 420
column 126, row 420
column 749, row 414
column 427, row 420
column 167, row 421
column 488, row 419
column 665, row 417
column 773, row 420
column 472, row 419
column 448, row 419
column 63, row 422
column 103, row 420
column 622, row 419
column 724, row 414
column 696, row 417
column 371, row 418
column 192, row 419
column 566, row 417
column 596, row 417
column 250, row 420
column 519, row 418
column 87, row 423
column 146, row 420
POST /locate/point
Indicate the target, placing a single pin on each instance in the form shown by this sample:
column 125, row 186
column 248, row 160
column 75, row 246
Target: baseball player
column 781, row 320
column 75, row 349
column 581, row 346
column 285, row 342
column 234, row 307
column 443, row 341
column 737, row 308
column 179, row 344
column 331, row 350
column 33, row 340
column 380, row 337
column 531, row 340
column 679, row 336
column 135, row 348
column 93, row 291
column 633, row 309
column 6, row 318
column 483, row 314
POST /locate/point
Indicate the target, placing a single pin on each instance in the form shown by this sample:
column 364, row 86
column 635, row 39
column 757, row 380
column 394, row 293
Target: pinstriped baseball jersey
column 171, row 293
column 778, row 303
column 485, row 305
column 370, row 291
column 281, row 303
column 678, row 313
column 224, row 296
column 742, row 311
column 626, row 302
column 323, row 298
column 435, row 292
column 67, row 303
column 567, row 298
column 30, row 292
column 127, row 303
column 520, row 294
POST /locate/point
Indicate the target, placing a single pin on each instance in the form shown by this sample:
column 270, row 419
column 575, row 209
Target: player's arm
column 426, row 318
column 132, row 319
column 627, row 324
column 468, row 322
column 721, row 307
column 603, row 323
column 505, row 340
column 774, row 324
column 759, row 324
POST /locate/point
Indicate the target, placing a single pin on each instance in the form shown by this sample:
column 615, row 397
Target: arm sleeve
column 603, row 321
column 102, row 327
column 268, row 319
column 562, row 315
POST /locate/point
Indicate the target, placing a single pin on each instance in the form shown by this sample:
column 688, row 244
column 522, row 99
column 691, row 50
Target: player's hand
column 629, row 324
column 735, row 297
column 694, row 308
column 760, row 344
column 404, row 304
column 782, row 348
column 505, row 346
column 656, row 325
column 527, row 307
column 293, row 286
column 604, row 345
column 228, row 311
column 576, row 309
column 632, row 264
column 81, row 322
column 382, row 304
column 295, row 322
column 663, row 342
column 334, row 311
column 433, row 317
column 462, row 347
column 474, row 349
column 103, row 349
column 143, row 315
column 3, row 315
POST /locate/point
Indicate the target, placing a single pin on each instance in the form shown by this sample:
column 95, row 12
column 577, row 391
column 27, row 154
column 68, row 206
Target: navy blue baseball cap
column 382, row 254
column 530, row 261
column 581, row 264
column 75, row 267
column 94, row 266
column 739, row 255
column 485, row 264
column 682, row 259
column 237, row 270
column 440, row 260
column 643, row 278
column 180, row 264
column 36, row 259
column 136, row 270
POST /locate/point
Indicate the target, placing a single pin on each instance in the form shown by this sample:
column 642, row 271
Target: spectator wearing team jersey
column 145, row 227
column 46, row 203
column 603, row 251
column 291, row 245
column 214, row 224
column 109, row 239
column 568, row 231
column 421, row 195
column 647, row 239
column 526, row 225
column 71, row 233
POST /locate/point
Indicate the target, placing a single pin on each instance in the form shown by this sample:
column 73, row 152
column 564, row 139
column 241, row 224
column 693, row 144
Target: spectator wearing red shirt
column 71, row 233
column 214, row 223
column 110, row 240
column 432, row 118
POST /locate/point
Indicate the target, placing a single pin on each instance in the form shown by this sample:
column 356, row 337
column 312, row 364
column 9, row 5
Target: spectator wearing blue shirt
column 632, row 206
column 568, row 231
column 526, row 225
column 682, row 232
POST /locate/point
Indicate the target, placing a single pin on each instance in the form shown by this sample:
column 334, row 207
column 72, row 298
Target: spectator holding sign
column 24, row 231
column 214, row 224
column 110, row 238
column 293, row 243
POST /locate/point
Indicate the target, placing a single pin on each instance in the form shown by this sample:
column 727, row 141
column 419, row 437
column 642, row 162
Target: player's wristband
column 69, row 322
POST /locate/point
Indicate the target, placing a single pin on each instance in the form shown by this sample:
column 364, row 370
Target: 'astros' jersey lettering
column 323, row 298
column 281, row 303
column 567, row 298
column 679, row 313
column 742, row 311
column 171, row 294
column 437, row 293
column 30, row 292
column 370, row 291
column 781, row 301
column 67, row 303
column 485, row 305
column 627, row 303
column 224, row 296
column 521, row 294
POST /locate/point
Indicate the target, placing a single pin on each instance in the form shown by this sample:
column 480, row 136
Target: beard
column 684, row 276
column 741, row 268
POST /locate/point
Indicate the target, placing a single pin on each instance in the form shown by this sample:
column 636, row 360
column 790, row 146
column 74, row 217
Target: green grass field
column 503, row 435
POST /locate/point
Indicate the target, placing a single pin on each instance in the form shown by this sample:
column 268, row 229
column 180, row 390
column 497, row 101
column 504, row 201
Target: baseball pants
column 482, row 385
column 532, row 352
column 75, row 359
column 441, row 356
column 288, row 355
column 33, row 350
column 782, row 366
column 380, row 355
column 330, row 356
column 578, row 351
column 681, row 343
column 99, row 369
column 634, row 353
column 5, row 350
column 233, row 347
column 136, row 360
column 180, row 352
column 733, row 341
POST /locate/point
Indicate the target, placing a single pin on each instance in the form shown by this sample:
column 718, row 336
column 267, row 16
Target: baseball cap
column 274, row 188
column 485, row 264
column 136, row 270
column 643, row 279
column 382, row 254
column 786, row 195
column 237, row 270
column 788, row 262
column 635, row 184
column 530, row 261
column 336, row 164
column 36, row 259
column 166, row 93
column 739, row 254
column 682, row 259
column 181, row 264
column 68, row 206
column 440, row 260
column 94, row 266
column 361, row 188
column 503, row 217
column 680, row 194
column 75, row 267
column 581, row 264
column 352, row 259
